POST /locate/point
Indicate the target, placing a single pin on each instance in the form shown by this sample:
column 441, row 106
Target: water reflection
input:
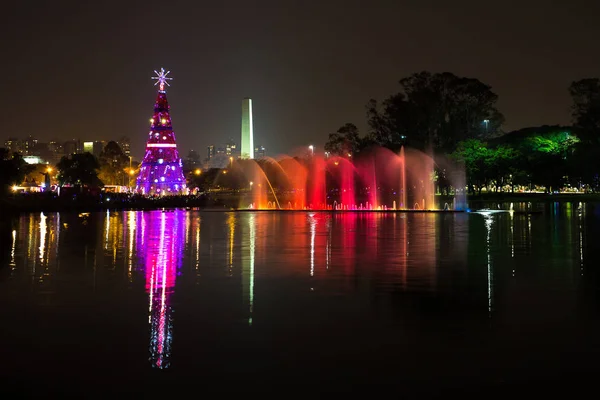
column 489, row 221
column 313, row 231
column 231, row 226
column 249, row 237
column 256, row 267
column 12, row 249
column 163, row 253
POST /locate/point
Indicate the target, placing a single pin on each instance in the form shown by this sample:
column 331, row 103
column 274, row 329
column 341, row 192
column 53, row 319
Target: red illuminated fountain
column 375, row 180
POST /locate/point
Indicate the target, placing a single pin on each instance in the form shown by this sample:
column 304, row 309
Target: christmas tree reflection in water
column 162, row 250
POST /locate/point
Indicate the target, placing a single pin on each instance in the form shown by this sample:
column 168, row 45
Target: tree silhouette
column 79, row 170
column 13, row 170
column 113, row 164
column 435, row 111
column 345, row 141
column 586, row 108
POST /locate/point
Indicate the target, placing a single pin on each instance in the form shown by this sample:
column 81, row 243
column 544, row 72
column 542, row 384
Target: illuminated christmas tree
column 161, row 172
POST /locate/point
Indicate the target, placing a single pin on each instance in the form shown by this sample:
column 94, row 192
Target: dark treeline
column 455, row 117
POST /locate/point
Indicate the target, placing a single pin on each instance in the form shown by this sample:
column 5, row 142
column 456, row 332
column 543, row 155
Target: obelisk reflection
column 248, row 265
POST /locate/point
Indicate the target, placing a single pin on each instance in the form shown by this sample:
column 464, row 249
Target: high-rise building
column 247, row 129
column 56, row 150
column 162, row 169
column 72, row 147
column 260, row 152
column 94, row 148
column 14, row 145
column 192, row 160
column 30, row 144
column 231, row 148
column 210, row 150
column 125, row 145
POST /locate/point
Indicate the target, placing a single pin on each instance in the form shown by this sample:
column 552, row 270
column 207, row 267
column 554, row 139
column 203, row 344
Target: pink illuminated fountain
column 377, row 179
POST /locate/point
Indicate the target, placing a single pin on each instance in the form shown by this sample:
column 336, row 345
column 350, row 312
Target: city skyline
column 305, row 78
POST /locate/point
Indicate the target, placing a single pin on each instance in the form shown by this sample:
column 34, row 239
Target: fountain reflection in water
column 377, row 179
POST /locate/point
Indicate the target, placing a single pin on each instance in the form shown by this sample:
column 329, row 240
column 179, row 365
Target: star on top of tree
column 161, row 78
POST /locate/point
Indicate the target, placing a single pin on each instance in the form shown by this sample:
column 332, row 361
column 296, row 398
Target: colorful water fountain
column 375, row 180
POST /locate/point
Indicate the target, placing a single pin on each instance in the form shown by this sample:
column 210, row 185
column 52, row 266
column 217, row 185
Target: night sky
column 81, row 69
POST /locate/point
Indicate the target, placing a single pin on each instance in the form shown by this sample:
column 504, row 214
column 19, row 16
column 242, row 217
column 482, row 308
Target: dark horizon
column 83, row 71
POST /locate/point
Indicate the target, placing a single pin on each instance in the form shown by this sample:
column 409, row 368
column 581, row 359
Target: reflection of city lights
column 328, row 245
column 30, row 240
column 43, row 229
column 580, row 217
column 231, row 224
column 57, row 227
column 12, row 250
column 107, row 223
column 198, row 244
column 313, row 231
column 512, row 234
column 489, row 220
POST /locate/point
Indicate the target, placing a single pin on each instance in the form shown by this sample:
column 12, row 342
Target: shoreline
column 17, row 204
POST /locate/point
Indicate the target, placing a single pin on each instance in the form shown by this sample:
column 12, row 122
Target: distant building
column 210, row 150
column 14, row 145
column 260, row 152
column 94, row 148
column 29, row 146
column 125, row 145
column 192, row 160
column 231, row 149
column 56, row 151
column 72, row 147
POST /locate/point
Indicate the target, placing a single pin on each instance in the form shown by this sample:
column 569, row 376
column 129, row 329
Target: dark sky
column 82, row 68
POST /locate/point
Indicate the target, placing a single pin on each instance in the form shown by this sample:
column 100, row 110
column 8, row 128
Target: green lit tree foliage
column 474, row 155
column 544, row 156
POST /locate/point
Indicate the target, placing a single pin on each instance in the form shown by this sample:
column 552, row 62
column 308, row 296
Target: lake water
column 169, row 301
